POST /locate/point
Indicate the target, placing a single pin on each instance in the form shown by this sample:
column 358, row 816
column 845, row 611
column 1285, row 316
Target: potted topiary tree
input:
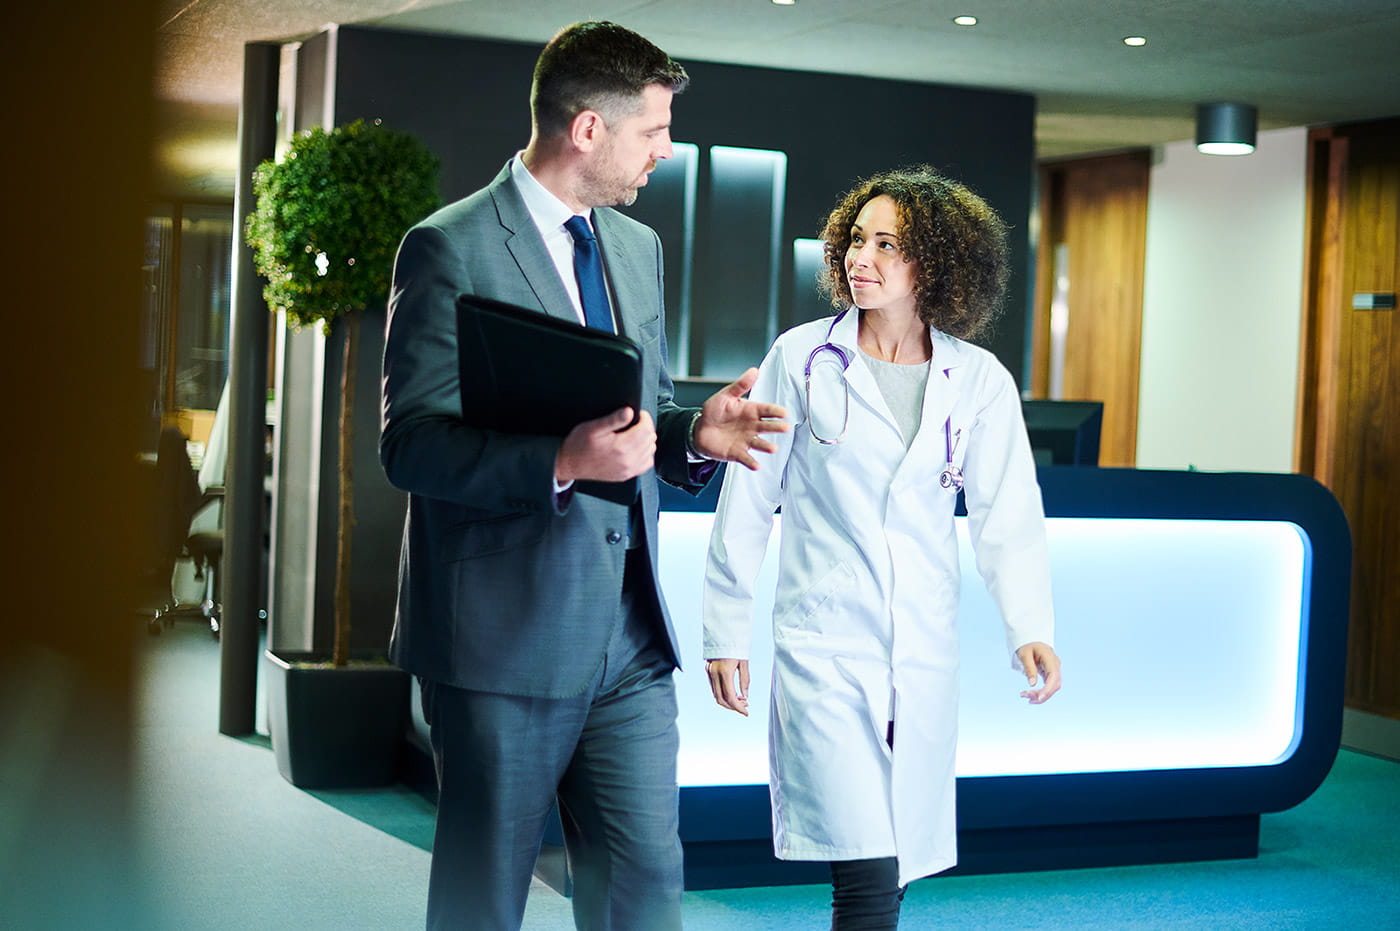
column 326, row 224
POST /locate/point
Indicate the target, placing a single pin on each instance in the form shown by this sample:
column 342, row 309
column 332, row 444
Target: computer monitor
column 1061, row 432
column 1064, row 432
column 693, row 392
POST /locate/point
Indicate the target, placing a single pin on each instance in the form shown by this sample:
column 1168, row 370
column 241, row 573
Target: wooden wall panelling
column 1048, row 213
column 1099, row 212
column 1350, row 402
column 1369, row 458
column 1316, row 426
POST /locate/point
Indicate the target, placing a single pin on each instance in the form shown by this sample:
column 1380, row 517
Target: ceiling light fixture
column 1225, row 128
column 785, row 2
column 965, row 20
column 1134, row 41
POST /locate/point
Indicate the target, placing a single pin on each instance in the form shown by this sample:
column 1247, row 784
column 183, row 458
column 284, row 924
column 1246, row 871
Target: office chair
column 178, row 499
column 206, row 549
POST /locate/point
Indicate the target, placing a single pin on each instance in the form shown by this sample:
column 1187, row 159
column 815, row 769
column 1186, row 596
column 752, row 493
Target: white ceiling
column 1302, row 62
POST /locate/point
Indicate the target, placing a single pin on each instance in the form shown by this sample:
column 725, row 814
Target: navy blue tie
column 588, row 267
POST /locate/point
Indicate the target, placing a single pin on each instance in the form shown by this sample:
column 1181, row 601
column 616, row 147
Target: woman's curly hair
column 957, row 241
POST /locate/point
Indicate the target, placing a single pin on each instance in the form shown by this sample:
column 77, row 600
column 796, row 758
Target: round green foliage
column 329, row 216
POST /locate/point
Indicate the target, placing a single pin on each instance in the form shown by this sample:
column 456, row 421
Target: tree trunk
column 346, row 522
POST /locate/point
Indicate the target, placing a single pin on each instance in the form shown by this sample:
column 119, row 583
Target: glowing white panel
column 718, row 747
column 808, row 265
column 738, row 262
column 1181, row 642
column 667, row 205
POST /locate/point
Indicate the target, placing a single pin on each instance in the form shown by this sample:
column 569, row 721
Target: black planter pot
column 336, row 728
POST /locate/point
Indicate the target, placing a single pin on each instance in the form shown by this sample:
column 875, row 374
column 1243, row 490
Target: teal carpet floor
column 225, row 842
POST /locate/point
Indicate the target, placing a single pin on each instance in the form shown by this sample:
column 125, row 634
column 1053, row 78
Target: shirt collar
column 548, row 211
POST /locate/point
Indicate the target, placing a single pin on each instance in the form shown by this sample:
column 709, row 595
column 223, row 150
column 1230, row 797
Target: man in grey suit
column 530, row 613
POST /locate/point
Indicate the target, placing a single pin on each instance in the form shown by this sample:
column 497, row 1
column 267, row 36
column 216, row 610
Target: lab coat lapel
column 859, row 378
column 929, row 449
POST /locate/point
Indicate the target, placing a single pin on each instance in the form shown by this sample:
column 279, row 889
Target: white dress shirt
column 550, row 213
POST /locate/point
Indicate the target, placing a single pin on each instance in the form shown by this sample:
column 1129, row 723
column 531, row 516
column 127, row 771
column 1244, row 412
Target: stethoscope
column 950, row 478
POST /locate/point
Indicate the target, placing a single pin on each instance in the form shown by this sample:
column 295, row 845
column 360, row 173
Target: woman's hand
column 1039, row 661
column 730, row 694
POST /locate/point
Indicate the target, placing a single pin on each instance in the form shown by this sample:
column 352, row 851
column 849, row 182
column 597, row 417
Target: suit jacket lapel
column 526, row 246
column 626, row 262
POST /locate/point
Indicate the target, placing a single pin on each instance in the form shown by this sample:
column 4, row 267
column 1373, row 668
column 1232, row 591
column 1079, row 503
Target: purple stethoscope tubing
column 845, row 358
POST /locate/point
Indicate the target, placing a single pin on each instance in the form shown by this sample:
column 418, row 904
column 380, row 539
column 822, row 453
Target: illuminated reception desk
column 1202, row 621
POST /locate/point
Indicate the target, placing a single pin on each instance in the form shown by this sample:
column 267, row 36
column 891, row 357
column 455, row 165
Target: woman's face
column 879, row 275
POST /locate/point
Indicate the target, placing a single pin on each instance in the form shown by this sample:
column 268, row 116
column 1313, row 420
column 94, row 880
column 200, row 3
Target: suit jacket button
column 614, row 536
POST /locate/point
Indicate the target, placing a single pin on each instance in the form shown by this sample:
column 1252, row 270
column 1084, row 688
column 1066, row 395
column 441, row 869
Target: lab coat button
column 614, row 536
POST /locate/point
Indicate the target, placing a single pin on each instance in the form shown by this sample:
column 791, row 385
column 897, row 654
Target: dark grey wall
column 468, row 101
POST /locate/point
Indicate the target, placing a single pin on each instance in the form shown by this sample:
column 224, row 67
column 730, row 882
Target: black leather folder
column 523, row 371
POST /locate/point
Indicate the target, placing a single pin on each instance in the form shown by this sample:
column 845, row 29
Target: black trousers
column 865, row 894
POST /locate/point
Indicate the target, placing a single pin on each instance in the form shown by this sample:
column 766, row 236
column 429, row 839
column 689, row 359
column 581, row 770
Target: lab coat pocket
column 807, row 607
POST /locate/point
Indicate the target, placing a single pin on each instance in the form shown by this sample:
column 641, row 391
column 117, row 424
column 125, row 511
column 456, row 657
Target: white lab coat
column 864, row 622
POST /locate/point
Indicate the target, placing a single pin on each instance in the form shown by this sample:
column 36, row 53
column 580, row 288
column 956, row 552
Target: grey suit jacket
column 501, row 587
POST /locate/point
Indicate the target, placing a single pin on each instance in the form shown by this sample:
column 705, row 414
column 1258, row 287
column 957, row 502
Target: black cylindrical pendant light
column 1225, row 128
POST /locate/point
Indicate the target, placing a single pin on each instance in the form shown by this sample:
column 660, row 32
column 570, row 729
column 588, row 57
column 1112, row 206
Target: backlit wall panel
column 1181, row 640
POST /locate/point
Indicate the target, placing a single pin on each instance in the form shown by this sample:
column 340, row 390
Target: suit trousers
column 607, row 756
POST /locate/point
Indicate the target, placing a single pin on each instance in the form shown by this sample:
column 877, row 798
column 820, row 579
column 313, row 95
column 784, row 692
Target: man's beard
column 600, row 188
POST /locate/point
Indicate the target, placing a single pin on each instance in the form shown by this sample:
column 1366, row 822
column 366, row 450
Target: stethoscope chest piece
column 951, row 477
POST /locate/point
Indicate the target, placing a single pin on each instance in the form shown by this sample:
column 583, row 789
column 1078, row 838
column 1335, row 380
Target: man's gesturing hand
column 730, row 426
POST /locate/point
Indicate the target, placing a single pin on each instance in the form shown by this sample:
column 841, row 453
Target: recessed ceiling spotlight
column 1134, row 41
column 965, row 20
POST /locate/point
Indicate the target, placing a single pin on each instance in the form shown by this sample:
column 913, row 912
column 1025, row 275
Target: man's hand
column 723, row 674
column 1039, row 660
column 606, row 449
column 730, row 425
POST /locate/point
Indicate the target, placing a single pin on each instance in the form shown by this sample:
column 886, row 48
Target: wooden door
column 1087, row 331
column 1349, row 398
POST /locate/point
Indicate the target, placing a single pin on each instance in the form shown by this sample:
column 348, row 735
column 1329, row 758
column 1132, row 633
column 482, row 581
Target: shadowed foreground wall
column 75, row 518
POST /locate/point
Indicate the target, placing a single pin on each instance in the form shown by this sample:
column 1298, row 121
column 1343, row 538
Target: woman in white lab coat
column 893, row 413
